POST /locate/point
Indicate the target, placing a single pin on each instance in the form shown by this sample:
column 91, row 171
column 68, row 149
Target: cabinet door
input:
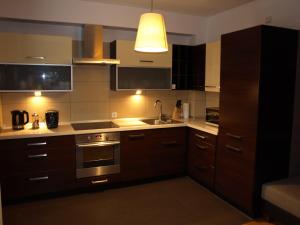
column 212, row 66
column 129, row 57
column 10, row 48
column 136, row 147
column 240, row 72
column 46, row 49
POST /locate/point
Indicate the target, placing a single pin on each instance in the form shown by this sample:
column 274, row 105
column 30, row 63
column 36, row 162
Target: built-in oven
column 97, row 154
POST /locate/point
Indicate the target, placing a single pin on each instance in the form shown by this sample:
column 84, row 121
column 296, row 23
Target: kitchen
column 91, row 95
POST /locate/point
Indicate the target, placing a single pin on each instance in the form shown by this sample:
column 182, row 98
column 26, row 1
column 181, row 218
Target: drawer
column 98, row 181
column 35, row 183
column 197, row 135
column 202, row 172
column 237, row 186
column 205, row 154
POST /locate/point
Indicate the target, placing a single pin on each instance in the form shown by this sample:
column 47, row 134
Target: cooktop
column 93, row 125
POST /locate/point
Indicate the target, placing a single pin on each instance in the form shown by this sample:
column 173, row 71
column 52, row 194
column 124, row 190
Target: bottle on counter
column 35, row 121
column 177, row 112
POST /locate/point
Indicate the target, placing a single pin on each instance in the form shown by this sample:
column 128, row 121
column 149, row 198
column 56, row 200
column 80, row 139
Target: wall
column 86, row 12
column 284, row 13
column 93, row 100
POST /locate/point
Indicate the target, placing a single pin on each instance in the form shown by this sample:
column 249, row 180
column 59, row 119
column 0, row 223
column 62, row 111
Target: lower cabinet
column 201, row 157
column 152, row 153
column 36, row 166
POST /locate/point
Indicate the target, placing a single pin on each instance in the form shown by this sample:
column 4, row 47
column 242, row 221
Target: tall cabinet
column 258, row 67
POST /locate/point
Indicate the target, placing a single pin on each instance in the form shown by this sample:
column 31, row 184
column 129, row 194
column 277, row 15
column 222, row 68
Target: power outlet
column 114, row 115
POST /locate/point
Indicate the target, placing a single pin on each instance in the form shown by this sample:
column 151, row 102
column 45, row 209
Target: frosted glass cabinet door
column 132, row 78
column 35, row 77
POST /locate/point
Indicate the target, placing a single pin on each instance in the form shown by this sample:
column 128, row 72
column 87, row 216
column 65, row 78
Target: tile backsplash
column 92, row 99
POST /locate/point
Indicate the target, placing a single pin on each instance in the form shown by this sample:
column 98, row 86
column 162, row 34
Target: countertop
column 126, row 125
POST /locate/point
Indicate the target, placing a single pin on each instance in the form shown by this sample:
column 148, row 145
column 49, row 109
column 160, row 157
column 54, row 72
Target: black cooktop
column 93, row 126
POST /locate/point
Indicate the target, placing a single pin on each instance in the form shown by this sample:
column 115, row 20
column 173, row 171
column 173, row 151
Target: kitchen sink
column 160, row 122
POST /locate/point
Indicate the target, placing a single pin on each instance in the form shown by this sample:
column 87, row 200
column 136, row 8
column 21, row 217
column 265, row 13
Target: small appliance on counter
column 35, row 121
column 212, row 115
column 52, row 117
column 18, row 119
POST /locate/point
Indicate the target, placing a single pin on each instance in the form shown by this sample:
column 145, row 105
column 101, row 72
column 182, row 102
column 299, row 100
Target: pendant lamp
column 151, row 34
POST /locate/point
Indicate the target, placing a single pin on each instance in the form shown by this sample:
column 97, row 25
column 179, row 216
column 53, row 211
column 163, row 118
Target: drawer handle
column 37, row 156
column 38, row 178
column 146, row 61
column 136, row 136
column 35, row 57
column 201, row 168
column 234, row 149
column 234, row 136
column 37, row 144
column 200, row 136
column 169, row 143
column 201, row 147
column 99, row 181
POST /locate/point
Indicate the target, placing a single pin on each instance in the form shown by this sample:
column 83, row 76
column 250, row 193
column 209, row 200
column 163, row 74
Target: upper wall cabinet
column 212, row 67
column 188, row 70
column 35, row 49
column 124, row 50
column 147, row 71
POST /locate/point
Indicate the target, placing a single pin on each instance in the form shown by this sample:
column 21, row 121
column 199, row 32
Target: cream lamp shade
column 151, row 34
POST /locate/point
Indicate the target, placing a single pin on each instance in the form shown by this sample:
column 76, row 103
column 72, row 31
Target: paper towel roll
column 186, row 110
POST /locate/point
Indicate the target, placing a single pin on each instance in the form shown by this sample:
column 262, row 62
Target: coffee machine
column 18, row 119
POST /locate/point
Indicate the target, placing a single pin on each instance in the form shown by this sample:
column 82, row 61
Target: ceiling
column 193, row 7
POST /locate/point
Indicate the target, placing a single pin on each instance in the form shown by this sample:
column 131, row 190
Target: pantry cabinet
column 258, row 69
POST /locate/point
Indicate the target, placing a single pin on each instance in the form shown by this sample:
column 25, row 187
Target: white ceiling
column 193, row 7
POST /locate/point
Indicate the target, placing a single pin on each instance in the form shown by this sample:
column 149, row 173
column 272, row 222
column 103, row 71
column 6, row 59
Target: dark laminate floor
column 178, row 201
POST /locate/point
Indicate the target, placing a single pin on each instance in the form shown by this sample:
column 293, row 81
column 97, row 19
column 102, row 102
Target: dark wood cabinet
column 201, row 157
column 258, row 68
column 36, row 166
column 152, row 153
column 188, row 67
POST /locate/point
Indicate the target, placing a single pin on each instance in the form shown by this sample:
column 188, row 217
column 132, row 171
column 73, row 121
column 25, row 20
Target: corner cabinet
column 188, row 67
column 213, row 66
column 148, row 71
column 35, row 49
column 258, row 68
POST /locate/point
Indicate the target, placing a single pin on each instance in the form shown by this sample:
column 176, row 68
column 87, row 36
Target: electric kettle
column 18, row 119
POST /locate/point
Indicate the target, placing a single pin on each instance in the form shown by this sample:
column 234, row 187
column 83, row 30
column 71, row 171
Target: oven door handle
column 98, row 144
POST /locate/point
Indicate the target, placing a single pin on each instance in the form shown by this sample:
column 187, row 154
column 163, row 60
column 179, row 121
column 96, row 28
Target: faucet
column 160, row 109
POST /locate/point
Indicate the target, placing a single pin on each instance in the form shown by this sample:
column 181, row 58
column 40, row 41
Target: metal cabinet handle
column 38, row 178
column 201, row 147
column 136, row 136
column 212, row 86
column 203, row 168
column 37, row 144
column 35, row 57
column 98, row 144
column 169, row 143
column 37, row 156
column 99, row 181
column 146, row 61
column 232, row 148
column 234, row 136
column 200, row 136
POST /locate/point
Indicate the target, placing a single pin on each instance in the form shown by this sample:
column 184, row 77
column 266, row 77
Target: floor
column 179, row 201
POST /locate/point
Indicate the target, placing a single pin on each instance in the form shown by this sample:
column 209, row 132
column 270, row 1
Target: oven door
column 98, row 158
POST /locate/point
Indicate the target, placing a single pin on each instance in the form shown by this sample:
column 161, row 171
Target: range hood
column 92, row 47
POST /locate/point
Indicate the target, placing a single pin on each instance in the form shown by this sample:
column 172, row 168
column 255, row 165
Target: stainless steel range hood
column 92, row 48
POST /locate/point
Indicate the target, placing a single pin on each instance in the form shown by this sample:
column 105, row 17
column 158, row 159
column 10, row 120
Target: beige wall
column 92, row 99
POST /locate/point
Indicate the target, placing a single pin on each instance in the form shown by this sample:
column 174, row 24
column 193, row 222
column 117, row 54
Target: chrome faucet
column 160, row 109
